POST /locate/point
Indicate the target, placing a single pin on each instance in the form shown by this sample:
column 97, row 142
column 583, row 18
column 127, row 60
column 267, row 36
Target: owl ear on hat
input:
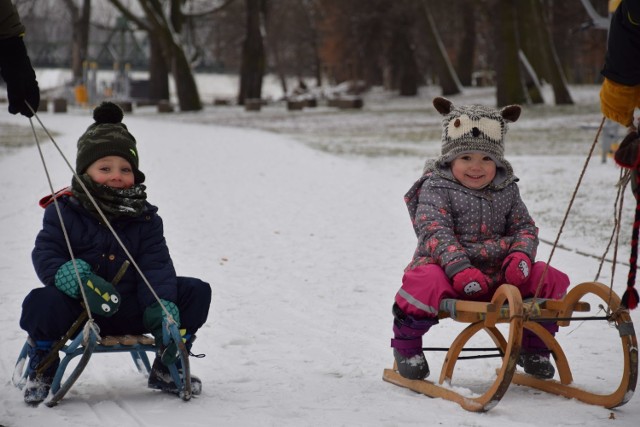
column 511, row 113
column 443, row 105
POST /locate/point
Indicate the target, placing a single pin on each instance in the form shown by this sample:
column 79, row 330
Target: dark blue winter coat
column 93, row 242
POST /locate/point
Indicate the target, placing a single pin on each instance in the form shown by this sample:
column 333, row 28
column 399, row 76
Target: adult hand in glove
column 618, row 101
column 102, row 297
column 17, row 72
column 152, row 320
column 516, row 268
column 471, row 283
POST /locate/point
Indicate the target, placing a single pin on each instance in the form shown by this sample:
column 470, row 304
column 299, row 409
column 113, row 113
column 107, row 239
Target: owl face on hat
column 474, row 129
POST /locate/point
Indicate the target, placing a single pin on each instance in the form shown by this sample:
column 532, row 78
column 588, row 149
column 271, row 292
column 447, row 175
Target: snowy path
column 305, row 251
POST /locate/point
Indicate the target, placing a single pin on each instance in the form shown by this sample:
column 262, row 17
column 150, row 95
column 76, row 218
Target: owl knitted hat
column 108, row 136
column 474, row 129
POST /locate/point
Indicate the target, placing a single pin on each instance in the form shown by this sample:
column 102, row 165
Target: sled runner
column 507, row 307
column 88, row 342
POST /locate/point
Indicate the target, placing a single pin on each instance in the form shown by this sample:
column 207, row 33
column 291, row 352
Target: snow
column 303, row 233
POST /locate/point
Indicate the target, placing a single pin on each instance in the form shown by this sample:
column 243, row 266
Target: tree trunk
column 446, row 74
column 466, row 51
column 253, row 57
column 535, row 41
column 554, row 68
column 79, row 36
column 158, row 71
column 532, row 59
column 185, row 83
column 404, row 69
column 167, row 41
column 509, row 82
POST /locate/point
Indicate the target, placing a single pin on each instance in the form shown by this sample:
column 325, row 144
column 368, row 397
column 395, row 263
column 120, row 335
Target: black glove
column 19, row 76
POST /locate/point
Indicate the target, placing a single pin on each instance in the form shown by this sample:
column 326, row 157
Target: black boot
column 538, row 365
column 160, row 377
column 407, row 344
column 37, row 387
column 535, row 356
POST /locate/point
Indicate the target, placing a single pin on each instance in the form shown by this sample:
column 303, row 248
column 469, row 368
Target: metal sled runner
column 507, row 307
column 86, row 343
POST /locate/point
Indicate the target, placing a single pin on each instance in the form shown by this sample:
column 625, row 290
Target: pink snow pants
column 424, row 287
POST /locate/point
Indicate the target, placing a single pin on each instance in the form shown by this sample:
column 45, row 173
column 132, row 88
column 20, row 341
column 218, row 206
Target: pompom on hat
column 108, row 136
column 475, row 129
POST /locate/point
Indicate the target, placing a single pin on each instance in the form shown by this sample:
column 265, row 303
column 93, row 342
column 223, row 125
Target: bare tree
column 466, row 51
column 80, row 16
column 253, row 54
column 535, row 39
column 161, row 24
column 447, row 76
column 509, row 81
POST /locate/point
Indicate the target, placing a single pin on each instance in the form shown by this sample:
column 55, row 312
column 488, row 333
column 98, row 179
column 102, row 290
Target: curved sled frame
column 620, row 317
column 470, row 312
column 137, row 346
column 489, row 315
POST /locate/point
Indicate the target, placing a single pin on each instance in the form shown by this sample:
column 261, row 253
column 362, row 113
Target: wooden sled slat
column 484, row 316
column 126, row 340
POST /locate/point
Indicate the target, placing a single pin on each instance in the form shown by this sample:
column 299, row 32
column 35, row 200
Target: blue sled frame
column 86, row 349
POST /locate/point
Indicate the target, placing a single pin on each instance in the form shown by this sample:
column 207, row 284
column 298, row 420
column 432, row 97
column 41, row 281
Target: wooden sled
column 86, row 343
column 507, row 307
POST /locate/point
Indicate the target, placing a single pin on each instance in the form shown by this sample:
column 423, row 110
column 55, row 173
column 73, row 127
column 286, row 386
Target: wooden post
column 59, row 105
column 252, row 104
column 164, row 106
column 295, row 105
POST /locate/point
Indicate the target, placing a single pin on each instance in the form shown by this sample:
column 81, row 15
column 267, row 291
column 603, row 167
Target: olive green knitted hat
column 108, row 136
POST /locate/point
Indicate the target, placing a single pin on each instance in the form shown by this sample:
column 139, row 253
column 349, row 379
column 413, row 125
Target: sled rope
column 100, row 212
column 617, row 218
column 62, row 225
column 566, row 215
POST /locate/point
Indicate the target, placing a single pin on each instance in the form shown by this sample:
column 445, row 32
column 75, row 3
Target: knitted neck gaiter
column 114, row 202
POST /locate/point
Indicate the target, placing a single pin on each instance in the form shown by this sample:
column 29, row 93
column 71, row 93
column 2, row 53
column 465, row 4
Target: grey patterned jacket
column 458, row 227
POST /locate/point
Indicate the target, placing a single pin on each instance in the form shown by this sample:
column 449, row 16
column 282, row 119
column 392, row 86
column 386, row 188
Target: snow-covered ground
column 303, row 234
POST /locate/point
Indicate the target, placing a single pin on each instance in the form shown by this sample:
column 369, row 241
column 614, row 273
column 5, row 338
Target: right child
column 474, row 234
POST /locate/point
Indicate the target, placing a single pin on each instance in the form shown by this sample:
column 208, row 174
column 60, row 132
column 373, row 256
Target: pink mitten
column 516, row 268
column 471, row 283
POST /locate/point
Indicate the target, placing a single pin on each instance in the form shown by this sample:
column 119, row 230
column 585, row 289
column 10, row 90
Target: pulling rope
column 62, row 225
column 566, row 215
column 100, row 212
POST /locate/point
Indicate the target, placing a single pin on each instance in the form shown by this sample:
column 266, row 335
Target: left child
column 107, row 163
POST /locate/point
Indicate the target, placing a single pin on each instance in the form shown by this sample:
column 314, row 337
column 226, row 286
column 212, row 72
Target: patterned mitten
column 470, row 283
column 102, row 297
column 516, row 268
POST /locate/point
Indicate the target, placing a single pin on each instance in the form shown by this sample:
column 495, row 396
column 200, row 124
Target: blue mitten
column 102, row 297
column 152, row 319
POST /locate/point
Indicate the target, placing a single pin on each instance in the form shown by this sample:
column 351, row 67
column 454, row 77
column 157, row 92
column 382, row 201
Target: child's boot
column 37, row 387
column 535, row 357
column 160, row 377
column 407, row 344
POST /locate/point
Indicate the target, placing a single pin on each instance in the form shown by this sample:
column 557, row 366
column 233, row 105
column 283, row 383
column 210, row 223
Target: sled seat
column 508, row 308
column 472, row 311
